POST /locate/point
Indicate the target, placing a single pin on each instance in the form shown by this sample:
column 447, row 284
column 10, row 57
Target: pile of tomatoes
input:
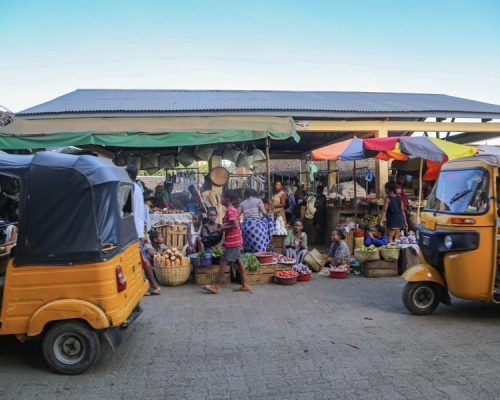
column 286, row 274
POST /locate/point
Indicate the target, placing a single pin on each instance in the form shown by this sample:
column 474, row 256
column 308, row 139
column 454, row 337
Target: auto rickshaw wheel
column 421, row 298
column 71, row 347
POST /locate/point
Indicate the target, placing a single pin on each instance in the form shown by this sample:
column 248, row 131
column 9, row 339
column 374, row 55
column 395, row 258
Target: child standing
column 233, row 240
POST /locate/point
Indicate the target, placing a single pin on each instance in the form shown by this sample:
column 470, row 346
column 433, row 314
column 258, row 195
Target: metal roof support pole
column 381, row 168
column 268, row 171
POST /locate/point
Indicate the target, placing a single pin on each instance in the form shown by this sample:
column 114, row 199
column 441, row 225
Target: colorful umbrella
column 425, row 147
column 347, row 150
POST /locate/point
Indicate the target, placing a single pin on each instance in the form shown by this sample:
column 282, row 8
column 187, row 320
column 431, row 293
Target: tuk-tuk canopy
column 72, row 209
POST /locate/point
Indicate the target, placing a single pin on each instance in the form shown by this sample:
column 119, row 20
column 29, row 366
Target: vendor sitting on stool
column 338, row 253
column 376, row 236
column 296, row 242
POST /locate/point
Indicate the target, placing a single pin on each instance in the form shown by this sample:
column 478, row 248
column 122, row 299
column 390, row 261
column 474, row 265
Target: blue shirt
column 377, row 242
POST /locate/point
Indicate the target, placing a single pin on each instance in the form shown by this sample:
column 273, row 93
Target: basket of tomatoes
column 286, row 277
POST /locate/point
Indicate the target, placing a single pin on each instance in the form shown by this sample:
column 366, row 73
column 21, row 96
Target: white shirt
column 138, row 210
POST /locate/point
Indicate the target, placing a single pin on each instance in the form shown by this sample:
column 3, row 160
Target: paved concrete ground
column 322, row 339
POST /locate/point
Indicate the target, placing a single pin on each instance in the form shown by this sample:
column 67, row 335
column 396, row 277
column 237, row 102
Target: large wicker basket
column 389, row 254
column 172, row 276
column 363, row 256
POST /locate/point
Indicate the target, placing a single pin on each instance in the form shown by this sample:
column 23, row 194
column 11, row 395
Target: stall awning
column 152, row 132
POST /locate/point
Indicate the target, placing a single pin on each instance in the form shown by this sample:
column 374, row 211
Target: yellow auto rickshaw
column 75, row 274
column 457, row 237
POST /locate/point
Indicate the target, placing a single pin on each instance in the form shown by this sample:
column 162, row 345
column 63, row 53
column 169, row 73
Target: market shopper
column 138, row 211
column 194, row 203
column 296, row 242
column 376, row 236
column 166, row 196
column 193, row 233
column 393, row 214
column 232, row 245
column 338, row 251
column 400, row 190
column 290, row 205
column 279, row 201
column 319, row 218
column 257, row 225
column 211, row 198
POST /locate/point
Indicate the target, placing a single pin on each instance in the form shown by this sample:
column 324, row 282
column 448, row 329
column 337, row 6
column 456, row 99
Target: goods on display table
column 170, row 217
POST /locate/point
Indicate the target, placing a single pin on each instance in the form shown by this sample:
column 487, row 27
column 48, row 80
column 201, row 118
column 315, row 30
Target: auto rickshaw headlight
column 448, row 242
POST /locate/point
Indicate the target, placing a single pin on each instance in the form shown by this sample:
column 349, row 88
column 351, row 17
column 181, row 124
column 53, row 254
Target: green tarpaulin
column 141, row 131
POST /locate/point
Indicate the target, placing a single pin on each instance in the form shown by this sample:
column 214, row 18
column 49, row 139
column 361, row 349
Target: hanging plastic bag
column 134, row 160
column 204, row 152
column 120, row 160
column 245, row 159
column 186, row 156
column 258, row 156
column 230, row 153
column 168, row 161
column 149, row 161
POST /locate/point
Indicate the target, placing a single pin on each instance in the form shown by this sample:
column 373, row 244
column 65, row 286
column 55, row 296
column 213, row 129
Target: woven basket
column 172, row 276
column 363, row 256
column 389, row 254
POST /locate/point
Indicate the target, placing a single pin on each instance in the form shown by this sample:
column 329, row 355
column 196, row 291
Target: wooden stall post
column 332, row 174
column 215, row 161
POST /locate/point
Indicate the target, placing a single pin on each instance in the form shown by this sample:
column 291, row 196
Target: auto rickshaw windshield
column 460, row 191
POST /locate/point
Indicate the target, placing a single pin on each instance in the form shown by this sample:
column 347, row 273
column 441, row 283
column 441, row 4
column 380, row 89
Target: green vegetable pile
column 250, row 262
column 369, row 248
column 216, row 252
column 390, row 246
column 369, row 220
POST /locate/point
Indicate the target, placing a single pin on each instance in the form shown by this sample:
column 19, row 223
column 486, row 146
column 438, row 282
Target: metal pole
column 355, row 196
column 268, row 170
column 420, row 190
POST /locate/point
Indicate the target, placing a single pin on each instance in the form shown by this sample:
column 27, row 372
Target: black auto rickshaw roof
column 72, row 208
column 96, row 170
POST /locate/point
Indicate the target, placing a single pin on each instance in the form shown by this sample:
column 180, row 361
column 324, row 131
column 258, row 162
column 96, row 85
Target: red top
column 401, row 192
column 233, row 237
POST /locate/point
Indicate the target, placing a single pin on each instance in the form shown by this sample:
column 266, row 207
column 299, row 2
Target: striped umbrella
column 424, row 147
column 346, row 150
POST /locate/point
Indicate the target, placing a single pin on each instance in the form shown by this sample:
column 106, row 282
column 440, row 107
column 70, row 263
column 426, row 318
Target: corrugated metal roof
column 262, row 102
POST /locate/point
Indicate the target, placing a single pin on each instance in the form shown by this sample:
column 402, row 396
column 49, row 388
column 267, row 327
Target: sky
column 49, row 48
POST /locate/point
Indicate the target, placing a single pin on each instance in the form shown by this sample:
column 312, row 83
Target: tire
column 71, row 347
column 421, row 298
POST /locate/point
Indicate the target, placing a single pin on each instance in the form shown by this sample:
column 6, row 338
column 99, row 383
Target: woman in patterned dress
column 257, row 225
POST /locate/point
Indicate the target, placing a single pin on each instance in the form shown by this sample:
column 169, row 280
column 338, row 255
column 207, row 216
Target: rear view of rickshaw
column 75, row 275
column 458, row 237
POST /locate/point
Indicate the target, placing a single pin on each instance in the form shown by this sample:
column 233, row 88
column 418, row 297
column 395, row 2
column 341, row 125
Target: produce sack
column 364, row 255
column 120, row 160
column 149, row 161
column 204, row 152
column 258, row 156
column 134, row 160
column 230, row 153
column 315, row 260
column 245, row 160
column 168, row 161
column 186, row 156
